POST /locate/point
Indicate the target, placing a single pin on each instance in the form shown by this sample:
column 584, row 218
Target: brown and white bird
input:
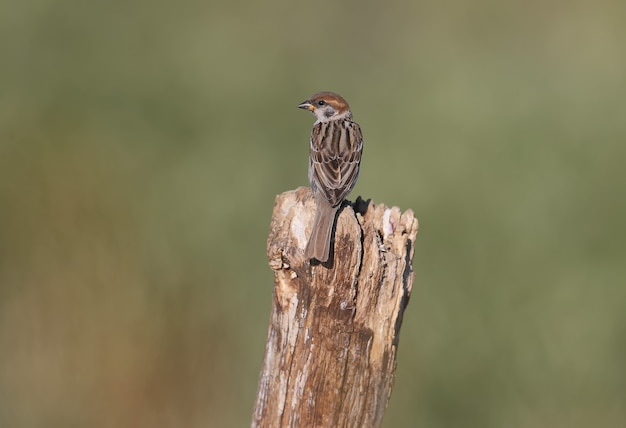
column 334, row 160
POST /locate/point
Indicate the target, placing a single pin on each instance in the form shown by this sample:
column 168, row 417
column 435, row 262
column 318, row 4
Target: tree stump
column 330, row 356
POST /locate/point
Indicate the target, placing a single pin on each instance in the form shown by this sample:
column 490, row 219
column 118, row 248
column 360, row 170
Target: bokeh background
column 142, row 144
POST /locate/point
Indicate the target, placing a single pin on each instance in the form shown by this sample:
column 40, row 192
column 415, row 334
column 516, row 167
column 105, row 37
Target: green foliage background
column 142, row 144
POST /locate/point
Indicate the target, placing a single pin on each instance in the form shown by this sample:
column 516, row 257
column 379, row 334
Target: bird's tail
column 318, row 246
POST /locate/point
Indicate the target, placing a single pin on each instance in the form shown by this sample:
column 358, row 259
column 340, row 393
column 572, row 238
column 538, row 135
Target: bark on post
column 330, row 356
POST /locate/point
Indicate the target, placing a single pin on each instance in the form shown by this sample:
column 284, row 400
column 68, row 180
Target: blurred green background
column 141, row 147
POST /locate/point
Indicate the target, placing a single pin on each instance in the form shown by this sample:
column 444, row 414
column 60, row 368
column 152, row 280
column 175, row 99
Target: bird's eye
column 321, row 103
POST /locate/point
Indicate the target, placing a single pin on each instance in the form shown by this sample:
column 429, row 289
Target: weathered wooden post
column 330, row 356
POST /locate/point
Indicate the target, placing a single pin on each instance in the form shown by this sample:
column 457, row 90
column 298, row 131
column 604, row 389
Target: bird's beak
column 307, row 106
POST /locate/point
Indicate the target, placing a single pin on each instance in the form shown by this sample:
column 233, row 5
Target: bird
column 335, row 150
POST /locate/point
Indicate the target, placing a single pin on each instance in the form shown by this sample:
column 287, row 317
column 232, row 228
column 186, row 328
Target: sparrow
column 334, row 160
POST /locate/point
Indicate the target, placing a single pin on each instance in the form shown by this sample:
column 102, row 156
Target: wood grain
column 331, row 349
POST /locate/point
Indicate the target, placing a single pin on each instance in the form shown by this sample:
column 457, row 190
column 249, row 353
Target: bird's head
column 327, row 106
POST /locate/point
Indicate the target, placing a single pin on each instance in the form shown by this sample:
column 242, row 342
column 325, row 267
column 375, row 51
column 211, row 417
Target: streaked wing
column 335, row 155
